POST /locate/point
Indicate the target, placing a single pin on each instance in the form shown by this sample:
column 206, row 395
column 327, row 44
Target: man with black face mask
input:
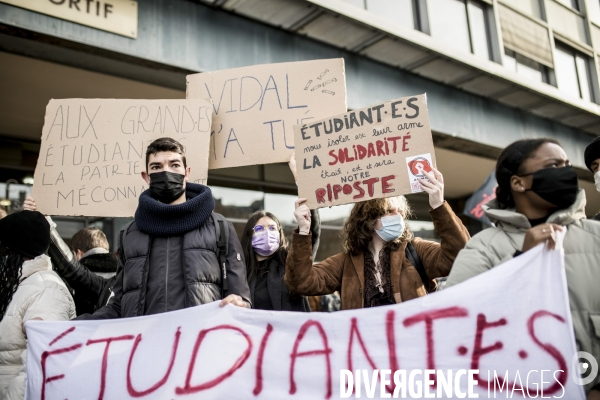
column 538, row 195
column 171, row 257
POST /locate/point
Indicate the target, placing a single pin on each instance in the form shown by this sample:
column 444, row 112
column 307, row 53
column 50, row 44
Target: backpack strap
column 414, row 259
column 222, row 235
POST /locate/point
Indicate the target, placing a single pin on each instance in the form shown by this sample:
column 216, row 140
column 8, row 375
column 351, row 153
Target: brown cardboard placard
column 374, row 152
column 94, row 150
column 255, row 107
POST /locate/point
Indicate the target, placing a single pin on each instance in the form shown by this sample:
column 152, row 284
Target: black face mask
column 166, row 187
column 558, row 186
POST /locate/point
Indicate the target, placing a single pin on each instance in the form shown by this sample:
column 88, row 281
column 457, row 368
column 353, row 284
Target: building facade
column 494, row 71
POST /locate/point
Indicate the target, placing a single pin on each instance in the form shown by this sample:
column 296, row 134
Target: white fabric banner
column 511, row 324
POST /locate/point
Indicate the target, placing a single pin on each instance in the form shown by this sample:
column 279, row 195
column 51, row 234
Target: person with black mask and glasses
column 538, row 195
column 177, row 253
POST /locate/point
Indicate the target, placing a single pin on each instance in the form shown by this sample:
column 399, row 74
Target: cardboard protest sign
column 487, row 335
column 94, row 150
column 374, row 152
column 255, row 107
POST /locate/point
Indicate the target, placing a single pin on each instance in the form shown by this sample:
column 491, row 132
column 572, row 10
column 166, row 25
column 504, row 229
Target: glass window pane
column 510, row 61
column 566, row 73
column 357, row 3
column 237, row 203
column 336, row 215
column 397, row 11
column 282, row 205
column 570, row 3
column 530, row 72
column 449, row 23
column 478, row 29
column 593, row 10
column 529, row 7
column 584, row 83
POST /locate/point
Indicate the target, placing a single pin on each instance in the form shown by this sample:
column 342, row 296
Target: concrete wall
column 188, row 36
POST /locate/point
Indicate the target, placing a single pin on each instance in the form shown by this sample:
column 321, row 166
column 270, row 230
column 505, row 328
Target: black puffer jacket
column 90, row 291
column 169, row 259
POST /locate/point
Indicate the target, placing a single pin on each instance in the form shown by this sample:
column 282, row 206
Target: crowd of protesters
column 179, row 253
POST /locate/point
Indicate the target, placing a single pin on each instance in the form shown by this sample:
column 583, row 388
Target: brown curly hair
column 360, row 225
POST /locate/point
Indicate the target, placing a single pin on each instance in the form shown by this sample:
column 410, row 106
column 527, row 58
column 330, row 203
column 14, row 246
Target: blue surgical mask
column 392, row 227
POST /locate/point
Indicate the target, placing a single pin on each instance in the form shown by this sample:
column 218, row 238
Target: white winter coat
column 494, row 246
column 41, row 294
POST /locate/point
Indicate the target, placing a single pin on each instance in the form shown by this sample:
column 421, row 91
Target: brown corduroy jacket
column 345, row 272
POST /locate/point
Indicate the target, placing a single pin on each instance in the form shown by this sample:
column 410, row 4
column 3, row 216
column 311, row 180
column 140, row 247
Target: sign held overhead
column 374, row 152
column 94, row 150
column 256, row 107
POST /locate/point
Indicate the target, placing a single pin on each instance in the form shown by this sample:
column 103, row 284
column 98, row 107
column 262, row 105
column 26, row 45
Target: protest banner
column 374, row 152
column 507, row 331
column 93, row 151
column 255, row 107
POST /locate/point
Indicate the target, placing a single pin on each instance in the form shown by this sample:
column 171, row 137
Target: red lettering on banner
column 135, row 393
column 259, row 361
column 428, row 317
column 391, row 342
column 479, row 351
column 62, row 335
column 44, row 358
column 187, row 388
column 355, row 332
column 326, row 351
column 551, row 350
column 548, row 348
column 108, row 341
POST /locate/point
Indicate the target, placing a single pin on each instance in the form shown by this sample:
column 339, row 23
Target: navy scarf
column 159, row 219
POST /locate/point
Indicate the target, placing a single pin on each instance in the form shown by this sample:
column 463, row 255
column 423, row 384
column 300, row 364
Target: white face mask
column 597, row 180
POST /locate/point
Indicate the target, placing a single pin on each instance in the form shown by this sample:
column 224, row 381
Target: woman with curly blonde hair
column 382, row 263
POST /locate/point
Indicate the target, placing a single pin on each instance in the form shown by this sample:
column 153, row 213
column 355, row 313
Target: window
column 357, row 3
column 526, row 67
column 397, row 11
column 401, row 12
column 479, row 35
column 529, row 7
column 570, row 3
column 573, row 73
column 461, row 24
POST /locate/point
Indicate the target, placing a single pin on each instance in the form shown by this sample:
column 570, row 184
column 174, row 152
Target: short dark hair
column 89, row 238
column 165, row 144
column 509, row 163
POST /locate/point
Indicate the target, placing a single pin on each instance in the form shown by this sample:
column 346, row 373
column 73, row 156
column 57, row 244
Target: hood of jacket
column 100, row 263
column 158, row 219
column 511, row 218
column 40, row 263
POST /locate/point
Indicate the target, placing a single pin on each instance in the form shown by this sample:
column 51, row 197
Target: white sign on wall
column 116, row 16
